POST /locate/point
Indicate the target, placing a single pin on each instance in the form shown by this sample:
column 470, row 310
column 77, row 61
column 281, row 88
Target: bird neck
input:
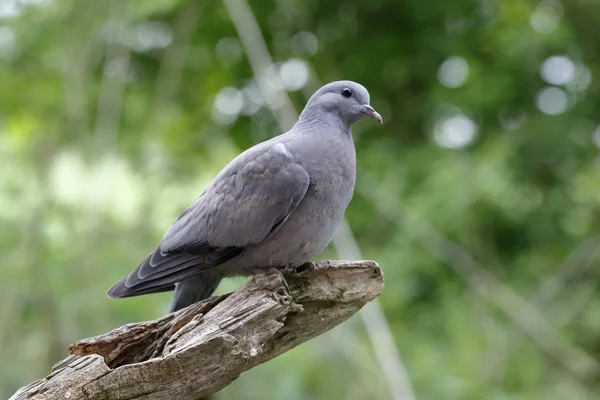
column 323, row 119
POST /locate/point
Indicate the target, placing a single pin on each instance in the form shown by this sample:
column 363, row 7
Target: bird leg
column 308, row 266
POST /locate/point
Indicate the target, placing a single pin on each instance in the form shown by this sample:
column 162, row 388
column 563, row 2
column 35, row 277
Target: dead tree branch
column 203, row 348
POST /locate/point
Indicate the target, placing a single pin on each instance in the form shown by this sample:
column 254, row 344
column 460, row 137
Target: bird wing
column 249, row 200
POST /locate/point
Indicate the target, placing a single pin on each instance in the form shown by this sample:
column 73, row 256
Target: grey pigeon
column 275, row 205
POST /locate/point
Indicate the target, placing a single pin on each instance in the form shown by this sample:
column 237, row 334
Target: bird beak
column 370, row 111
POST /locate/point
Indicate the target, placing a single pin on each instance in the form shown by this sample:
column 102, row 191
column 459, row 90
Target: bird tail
column 195, row 289
column 157, row 273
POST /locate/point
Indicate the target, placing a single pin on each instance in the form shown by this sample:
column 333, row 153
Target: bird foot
column 308, row 266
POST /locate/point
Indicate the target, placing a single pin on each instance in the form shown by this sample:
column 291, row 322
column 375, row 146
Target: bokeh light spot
column 582, row 79
column 455, row 132
column 546, row 17
column 151, row 35
column 557, row 70
column 10, row 9
column 227, row 106
column 253, row 100
column 453, row 72
column 551, row 101
column 8, row 45
column 596, row 136
column 304, row 43
column 294, row 74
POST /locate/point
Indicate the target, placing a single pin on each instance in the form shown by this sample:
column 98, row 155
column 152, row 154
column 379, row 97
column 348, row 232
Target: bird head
column 346, row 101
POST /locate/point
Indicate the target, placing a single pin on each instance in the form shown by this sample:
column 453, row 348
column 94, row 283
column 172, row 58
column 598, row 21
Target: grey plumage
column 275, row 205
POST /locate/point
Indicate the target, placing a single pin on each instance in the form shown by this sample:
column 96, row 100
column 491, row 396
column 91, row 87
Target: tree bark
column 197, row 351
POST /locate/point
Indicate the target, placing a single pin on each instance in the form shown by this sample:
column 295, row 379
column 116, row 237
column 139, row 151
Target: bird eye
column 346, row 92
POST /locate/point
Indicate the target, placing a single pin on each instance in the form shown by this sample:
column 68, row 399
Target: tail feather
column 160, row 277
column 194, row 289
column 162, row 270
column 192, row 276
column 120, row 290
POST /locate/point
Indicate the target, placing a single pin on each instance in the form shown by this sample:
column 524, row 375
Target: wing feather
column 248, row 201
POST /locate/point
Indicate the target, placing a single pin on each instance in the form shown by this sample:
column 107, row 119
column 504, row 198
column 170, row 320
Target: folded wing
column 248, row 201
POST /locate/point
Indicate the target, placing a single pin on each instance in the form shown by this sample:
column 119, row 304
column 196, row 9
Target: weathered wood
column 203, row 348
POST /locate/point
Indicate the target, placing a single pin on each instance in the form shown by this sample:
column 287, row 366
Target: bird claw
column 308, row 266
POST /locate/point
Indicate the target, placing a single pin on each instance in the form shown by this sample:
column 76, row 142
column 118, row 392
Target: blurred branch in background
column 551, row 296
column 523, row 314
column 175, row 56
column 43, row 293
column 376, row 323
column 571, row 270
column 279, row 103
column 261, row 63
column 114, row 77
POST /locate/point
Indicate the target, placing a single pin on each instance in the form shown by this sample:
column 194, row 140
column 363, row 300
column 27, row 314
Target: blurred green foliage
column 111, row 124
